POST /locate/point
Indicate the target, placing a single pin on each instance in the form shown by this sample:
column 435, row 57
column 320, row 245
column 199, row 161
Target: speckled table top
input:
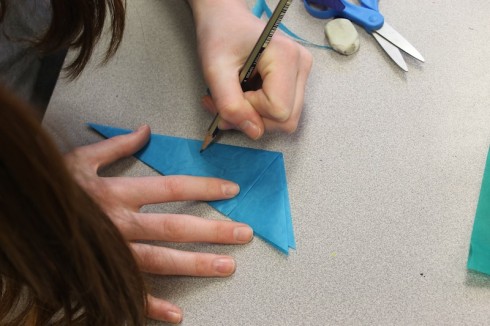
column 384, row 171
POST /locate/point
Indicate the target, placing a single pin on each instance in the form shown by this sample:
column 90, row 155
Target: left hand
column 122, row 197
column 226, row 32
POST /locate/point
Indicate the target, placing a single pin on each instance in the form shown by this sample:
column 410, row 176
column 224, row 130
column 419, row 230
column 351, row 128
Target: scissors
column 368, row 16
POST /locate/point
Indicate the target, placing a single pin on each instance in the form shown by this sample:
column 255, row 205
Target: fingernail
column 250, row 129
column 281, row 115
column 141, row 127
column 174, row 317
column 224, row 265
column 243, row 234
column 230, row 189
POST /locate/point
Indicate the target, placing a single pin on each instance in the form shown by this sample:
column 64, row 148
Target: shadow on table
column 476, row 279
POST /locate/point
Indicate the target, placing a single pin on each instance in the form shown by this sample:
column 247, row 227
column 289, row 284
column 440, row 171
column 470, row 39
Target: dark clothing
column 23, row 69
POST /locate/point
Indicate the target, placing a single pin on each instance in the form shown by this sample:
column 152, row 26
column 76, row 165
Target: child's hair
column 62, row 261
column 78, row 24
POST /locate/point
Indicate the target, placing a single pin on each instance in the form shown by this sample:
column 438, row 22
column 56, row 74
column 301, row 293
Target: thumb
column 107, row 151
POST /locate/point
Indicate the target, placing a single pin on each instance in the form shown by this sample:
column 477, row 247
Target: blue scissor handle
column 371, row 4
column 363, row 15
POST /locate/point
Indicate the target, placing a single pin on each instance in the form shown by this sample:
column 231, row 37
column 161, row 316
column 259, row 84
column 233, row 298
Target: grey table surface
column 384, row 171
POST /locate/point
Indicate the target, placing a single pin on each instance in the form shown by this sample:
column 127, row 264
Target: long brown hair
column 78, row 24
column 62, row 261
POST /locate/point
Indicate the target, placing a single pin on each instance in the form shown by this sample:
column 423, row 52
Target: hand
column 122, row 197
column 227, row 32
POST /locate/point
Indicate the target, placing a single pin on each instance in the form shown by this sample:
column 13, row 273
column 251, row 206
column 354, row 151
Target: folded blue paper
column 479, row 256
column 263, row 201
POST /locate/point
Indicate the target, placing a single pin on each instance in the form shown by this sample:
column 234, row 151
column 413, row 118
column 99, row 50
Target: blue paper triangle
column 263, row 201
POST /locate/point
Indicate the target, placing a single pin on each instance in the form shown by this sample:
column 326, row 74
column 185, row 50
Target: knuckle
column 75, row 158
column 76, row 153
column 222, row 232
column 173, row 186
column 201, row 265
column 213, row 189
column 99, row 190
column 173, row 231
column 144, row 255
column 228, row 110
column 307, row 59
column 292, row 49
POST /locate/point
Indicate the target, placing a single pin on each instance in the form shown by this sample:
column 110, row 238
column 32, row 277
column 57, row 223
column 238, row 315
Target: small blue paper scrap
column 479, row 255
column 263, row 201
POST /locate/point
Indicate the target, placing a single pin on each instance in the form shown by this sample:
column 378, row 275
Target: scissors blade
column 394, row 37
column 392, row 51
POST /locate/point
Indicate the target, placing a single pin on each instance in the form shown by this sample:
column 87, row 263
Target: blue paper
column 479, row 255
column 263, row 201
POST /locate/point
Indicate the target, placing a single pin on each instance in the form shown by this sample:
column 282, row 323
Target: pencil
column 251, row 62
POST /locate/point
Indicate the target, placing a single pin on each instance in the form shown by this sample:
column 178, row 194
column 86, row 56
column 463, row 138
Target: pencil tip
column 206, row 143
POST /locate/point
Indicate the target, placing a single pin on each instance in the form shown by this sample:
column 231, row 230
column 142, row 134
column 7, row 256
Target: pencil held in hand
column 251, row 62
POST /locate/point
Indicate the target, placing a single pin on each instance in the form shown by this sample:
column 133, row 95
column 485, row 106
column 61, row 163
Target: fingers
column 167, row 261
column 279, row 78
column 153, row 190
column 163, row 310
column 110, row 150
column 259, row 99
column 284, row 69
column 186, row 228
column 228, row 98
